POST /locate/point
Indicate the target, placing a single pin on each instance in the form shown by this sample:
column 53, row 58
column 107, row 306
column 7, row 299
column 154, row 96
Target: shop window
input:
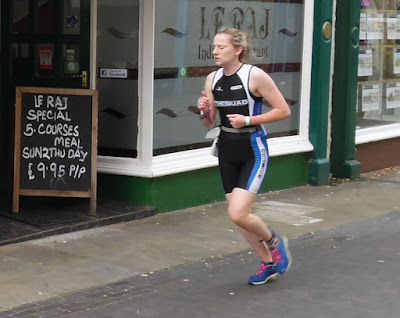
column 71, row 16
column 184, row 31
column 20, row 15
column 20, row 62
column 379, row 64
column 117, row 77
column 46, row 18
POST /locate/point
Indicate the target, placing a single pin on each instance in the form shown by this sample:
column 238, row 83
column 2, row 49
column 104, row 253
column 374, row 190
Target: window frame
column 378, row 133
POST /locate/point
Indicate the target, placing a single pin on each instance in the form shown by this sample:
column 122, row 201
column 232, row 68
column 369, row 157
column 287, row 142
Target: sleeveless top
column 232, row 95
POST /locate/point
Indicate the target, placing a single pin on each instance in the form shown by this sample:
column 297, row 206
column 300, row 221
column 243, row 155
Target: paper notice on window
column 375, row 23
column 396, row 61
column 392, row 95
column 363, row 26
column 365, row 63
column 371, row 99
column 393, row 26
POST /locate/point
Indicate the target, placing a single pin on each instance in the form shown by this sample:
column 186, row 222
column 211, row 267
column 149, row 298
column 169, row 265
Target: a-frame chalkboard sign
column 55, row 144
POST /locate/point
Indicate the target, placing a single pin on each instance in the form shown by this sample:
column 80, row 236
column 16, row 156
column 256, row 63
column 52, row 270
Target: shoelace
column 261, row 269
column 277, row 257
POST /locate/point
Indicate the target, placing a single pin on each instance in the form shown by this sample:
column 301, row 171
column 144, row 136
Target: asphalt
column 68, row 273
column 334, row 275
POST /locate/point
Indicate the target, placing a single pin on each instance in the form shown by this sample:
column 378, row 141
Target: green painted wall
column 197, row 187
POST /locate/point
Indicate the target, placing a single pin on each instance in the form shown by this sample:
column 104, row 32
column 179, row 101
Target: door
column 44, row 43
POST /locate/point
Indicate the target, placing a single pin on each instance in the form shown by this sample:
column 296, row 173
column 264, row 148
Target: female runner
column 237, row 91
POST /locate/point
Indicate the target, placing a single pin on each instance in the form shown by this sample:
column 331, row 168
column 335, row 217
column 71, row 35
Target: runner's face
column 224, row 51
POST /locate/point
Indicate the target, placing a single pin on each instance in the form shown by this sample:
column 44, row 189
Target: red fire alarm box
column 46, row 57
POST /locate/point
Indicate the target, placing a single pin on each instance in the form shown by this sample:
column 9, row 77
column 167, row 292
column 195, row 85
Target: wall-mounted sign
column 113, row 73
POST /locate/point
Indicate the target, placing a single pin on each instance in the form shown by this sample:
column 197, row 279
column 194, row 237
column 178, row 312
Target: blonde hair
column 239, row 39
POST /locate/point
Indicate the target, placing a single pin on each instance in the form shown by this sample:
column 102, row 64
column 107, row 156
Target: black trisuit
column 242, row 153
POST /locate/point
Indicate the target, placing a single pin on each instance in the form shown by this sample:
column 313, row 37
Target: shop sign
column 113, row 73
column 274, row 28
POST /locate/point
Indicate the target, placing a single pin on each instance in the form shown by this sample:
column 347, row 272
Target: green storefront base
column 198, row 187
column 319, row 172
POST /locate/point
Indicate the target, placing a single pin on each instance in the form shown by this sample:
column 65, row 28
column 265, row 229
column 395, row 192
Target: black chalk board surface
column 55, row 143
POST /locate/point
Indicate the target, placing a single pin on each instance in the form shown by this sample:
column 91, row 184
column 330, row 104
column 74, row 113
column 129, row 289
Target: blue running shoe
column 264, row 274
column 281, row 254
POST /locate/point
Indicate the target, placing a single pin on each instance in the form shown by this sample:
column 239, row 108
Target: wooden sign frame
column 18, row 191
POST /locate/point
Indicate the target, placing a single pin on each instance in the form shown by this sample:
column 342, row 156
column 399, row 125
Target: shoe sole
column 288, row 254
column 273, row 276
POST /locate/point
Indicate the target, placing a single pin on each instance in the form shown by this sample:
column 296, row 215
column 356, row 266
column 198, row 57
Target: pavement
column 54, row 270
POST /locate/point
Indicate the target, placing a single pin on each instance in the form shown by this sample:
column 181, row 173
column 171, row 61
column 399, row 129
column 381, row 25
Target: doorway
column 44, row 43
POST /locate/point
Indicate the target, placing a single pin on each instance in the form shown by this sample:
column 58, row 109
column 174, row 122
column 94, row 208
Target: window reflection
column 71, row 16
column 20, row 62
column 117, row 82
column 46, row 16
column 184, row 32
column 20, row 14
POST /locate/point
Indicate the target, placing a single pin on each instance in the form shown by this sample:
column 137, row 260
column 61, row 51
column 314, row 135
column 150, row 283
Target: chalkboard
column 55, row 143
